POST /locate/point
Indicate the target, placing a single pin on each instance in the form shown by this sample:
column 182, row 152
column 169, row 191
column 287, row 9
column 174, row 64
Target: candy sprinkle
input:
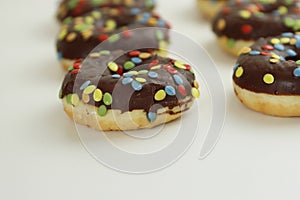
column 268, row 79
column 239, row 72
column 107, row 99
column 113, row 66
column 136, row 86
column 151, row 116
column 84, row 85
column 297, row 72
column 75, row 99
column 128, row 65
column 160, row 95
column 127, row 80
column 97, row 95
column 152, row 74
column 178, row 79
column 102, row 110
column 141, row 80
column 89, row 89
column 170, row 90
column 195, row 92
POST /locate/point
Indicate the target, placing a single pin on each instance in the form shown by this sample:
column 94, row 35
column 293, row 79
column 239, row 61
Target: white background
column 41, row 156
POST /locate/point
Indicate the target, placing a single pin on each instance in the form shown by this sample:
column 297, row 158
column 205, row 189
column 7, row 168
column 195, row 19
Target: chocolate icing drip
column 270, row 66
column 258, row 18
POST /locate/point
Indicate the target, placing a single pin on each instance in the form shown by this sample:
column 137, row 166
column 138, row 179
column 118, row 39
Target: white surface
column 41, row 156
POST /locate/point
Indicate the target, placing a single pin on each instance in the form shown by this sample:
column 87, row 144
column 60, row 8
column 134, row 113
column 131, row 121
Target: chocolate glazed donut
column 80, row 35
column 240, row 23
column 136, row 90
column 74, row 8
column 267, row 75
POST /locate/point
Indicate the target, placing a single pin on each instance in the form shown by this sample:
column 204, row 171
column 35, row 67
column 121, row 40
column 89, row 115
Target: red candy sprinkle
column 268, row 47
column 126, row 34
column 172, row 71
column 226, row 10
column 246, row 29
column 182, row 90
column 188, row 67
column 134, row 53
column 167, row 66
column 75, row 71
column 153, row 63
column 76, row 65
column 103, row 37
column 265, row 53
column 120, row 70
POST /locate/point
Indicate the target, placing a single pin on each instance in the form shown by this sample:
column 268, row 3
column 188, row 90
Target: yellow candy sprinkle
column 75, row 99
column 196, row 84
column 87, row 34
column 89, row 89
column 275, row 56
column 97, row 95
column 245, row 14
column 195, row 92
column 245, row 50
column 282, row 10
column 152, row 21
column 111, row 24
column 141, row 80
column 221, row 24
column 268, row 78
column 113, row 66
column 62, row 34
column 96, row 14
column 239, row 72
column 85, row 98
column 133, row 73
column 274, row 60
column 156, row 67
column 71, row 37
column 275, row 41
column 94, row 55
column 160, row 95
column 179, row 64
column 293, row 41
column 284, row 40
column 144, row 55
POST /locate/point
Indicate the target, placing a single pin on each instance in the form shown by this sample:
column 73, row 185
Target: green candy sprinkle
column 72, row 4
column 60, row 93
column 104, row 53
column 107, row 99
column 102, row 110
column 97, row 2
column 128, row 65
column 289, row 22
column 230, row 43
column 69, row 98
column 159, row 35
column 114, row 38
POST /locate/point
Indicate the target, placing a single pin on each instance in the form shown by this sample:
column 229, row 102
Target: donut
column 209, row 8
column 266, row 76
column 82, row 34
column 74, row 8
column 118, row 90
column 240, row 23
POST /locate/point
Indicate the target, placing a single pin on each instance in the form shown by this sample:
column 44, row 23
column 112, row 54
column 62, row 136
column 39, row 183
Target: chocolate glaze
column 74, row 8
column 106, row 22
column 125, row 97
column 256, row 66
column 264, row 19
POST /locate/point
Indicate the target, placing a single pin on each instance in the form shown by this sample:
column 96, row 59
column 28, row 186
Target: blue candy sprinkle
column 136, row 60
column 161, row 23
column 59, row 56
column 279, row 47
column 136, row 85
column 298, row 43
column 254, row 53
column 127, row 75
column 297, row 72
column 146, row 15
column 151, row 116
column 170, row 90
column 135, row 11
column 297, row 37
column 235, row 67
column 287, row 34
column 152, row 74
column 178, row 79
column 291, row 53
column 84, row 85
column 281, row 58
column 126, row 81
column 116, row 76
column 276, row 12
